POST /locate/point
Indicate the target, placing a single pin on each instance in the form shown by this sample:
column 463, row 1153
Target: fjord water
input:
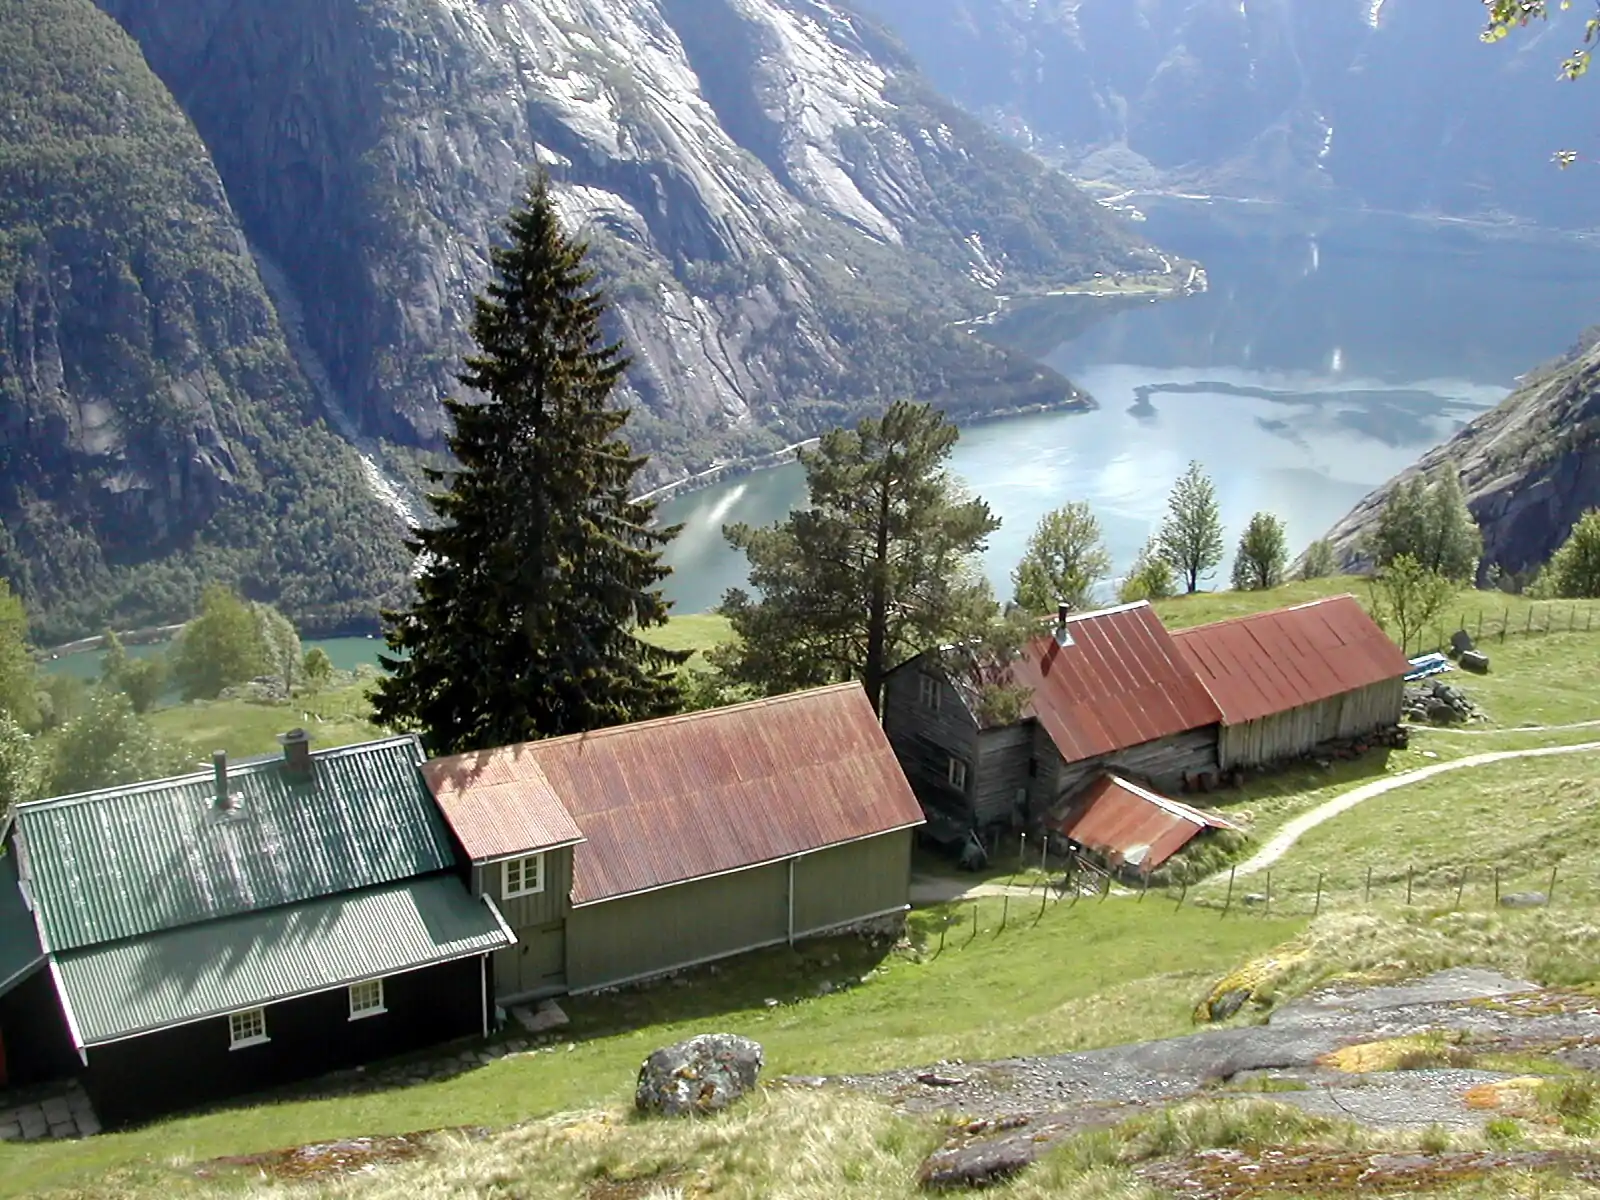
column 1329, row 352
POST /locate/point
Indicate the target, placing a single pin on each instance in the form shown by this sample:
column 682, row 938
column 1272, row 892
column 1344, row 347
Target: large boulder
column 702, row 1075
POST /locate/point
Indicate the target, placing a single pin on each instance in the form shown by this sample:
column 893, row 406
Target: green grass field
column 1083, row 975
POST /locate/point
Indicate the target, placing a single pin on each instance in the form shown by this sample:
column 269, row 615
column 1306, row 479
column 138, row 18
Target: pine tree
column 535, row 582
column 1263, row 554
column 880, row 566
column 1191, row 534
column 1064, row 561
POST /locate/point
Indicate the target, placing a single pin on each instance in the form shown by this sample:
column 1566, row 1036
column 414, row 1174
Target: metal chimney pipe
column 219, row 766
column 1062, row 610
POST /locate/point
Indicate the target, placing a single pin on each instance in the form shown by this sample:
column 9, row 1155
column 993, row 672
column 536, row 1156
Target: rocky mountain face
column 1530, row 467
column 789, row 220
column 1395, row 104
column 154, row 428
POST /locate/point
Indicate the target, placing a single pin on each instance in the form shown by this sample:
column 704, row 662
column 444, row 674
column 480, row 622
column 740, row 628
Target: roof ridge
column 237, row 768
column 660, row 722
column 1176, row 808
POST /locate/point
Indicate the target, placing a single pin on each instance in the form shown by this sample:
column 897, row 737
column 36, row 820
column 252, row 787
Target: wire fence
column 1495, row 623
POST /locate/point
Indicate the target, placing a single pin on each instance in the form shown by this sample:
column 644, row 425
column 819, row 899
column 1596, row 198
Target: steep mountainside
column 1392, row 103
column 153, row 425
column 789, row 219
column 1530, row 467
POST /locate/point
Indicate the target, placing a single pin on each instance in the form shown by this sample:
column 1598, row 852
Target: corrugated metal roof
column 200, row 971
column 499, row 803
column 1121, row 682
column 661, row 802
column 129, row 861
column 19, row 936
column 1132, row 825
column 1271, row 662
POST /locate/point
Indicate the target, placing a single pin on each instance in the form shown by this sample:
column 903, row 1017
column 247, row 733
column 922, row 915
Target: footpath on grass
column 1283, row 841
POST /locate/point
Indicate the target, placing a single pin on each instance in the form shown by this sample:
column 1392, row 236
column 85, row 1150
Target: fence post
column 1409, row 872
column 1228, row 901
column 1529, row 629
column 1461, row 885
column 1497, row 887
column 1005, row 912
column 1146, row 886
column 1267, row 907
column 974, row 936
column 944, row 928
column 1550, row 892
column 1317, row 909
column 1505, row 621
column 1184, row 894
column 1367, row 895
column 1106, row 891
column 1479, row 638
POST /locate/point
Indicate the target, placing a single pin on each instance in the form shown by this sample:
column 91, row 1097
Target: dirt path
column 1282, row 841
column 1513, row 729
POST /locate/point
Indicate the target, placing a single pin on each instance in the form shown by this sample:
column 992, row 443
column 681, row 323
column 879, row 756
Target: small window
column 930, row 692
column 958, row 774
column 247, row 1028
column 524, row 877
column 366, row 999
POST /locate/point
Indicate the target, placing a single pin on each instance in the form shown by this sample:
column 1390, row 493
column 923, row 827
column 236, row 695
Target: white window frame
column 360, row 992
column 247, row 1027
column 929, row 692
column 517, row 869
column 956, row 773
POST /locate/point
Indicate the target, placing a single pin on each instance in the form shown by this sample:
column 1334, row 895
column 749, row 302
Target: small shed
column 1131, row 827
column 1293, row 679
column 637, row 850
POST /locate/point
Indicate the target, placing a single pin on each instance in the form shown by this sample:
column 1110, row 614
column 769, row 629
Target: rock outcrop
column 700, row 1076
column 1530, row 467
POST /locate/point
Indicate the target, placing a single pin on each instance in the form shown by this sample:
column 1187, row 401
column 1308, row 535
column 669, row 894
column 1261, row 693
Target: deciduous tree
column 21, row 771
column 534, row 583
column 1150, row 577
column 220, row 648
column 1428, row 519
column 19, row 678
column 1574, row 570
column 106, row 745
column 880, row 566
column 143, row 682
column 1191, row 534
column 1263, row 554
column 1065, row 560
column 316, row 669
column 1319, row 561
column 1409, row 596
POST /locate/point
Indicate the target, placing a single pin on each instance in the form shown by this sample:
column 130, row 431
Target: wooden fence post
column 974, row 935
column 1529, row 629
column 1267, row 908
column 1005, row 911
column 1145, row 888
column 1106, row 891
column 1317, row 908
column 1366, row 897
column 1184, row 894
column 944, row 928
column 1409, row 873
column 1505, row 621
column 1461, row 885
column 1228, row 902
column 1550, row 892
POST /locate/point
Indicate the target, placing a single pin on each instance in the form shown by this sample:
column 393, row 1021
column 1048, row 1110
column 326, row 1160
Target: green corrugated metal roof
column 134, row 860
column 203, row 971
column 19, row 936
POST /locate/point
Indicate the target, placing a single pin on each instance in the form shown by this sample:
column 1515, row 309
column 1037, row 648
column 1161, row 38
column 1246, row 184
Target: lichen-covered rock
column 702, row 1075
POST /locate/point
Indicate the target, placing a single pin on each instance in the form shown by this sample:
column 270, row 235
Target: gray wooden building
column 1108, row 690
column 629, row 852
column 1297, row 678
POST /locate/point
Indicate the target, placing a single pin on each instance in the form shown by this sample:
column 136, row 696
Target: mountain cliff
column 1530, row 467
column 154, row 428
column 788, row 218
column 1392, row 103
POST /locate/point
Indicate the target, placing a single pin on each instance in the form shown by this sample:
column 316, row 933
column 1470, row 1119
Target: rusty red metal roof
column 1121, row 682
column 1271, row 662
column 499, row 803
column 666, row 801
column 1132, row 826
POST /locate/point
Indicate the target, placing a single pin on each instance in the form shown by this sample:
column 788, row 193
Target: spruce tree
column 540, row 572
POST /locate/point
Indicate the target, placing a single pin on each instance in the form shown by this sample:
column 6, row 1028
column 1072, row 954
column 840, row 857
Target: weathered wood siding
column 541, row 908
column 1289, row 734
column 1163, row 762
column 536, row 965
column 926, row 738
column 1003, row 756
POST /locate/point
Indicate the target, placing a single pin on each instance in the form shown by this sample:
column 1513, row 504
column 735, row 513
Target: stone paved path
column 60, row 1113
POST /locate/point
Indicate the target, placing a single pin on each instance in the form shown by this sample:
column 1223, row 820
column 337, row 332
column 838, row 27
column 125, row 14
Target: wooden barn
column 1132, row 829
column 1108, row 690
column 189, row 939
column 1296, row 678
column 629, row 852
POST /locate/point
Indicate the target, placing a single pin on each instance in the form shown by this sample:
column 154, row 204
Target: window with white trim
column 366, row 999
column 247, row 1028
column 523, row 877
column 957, row 774
column 930, row 692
